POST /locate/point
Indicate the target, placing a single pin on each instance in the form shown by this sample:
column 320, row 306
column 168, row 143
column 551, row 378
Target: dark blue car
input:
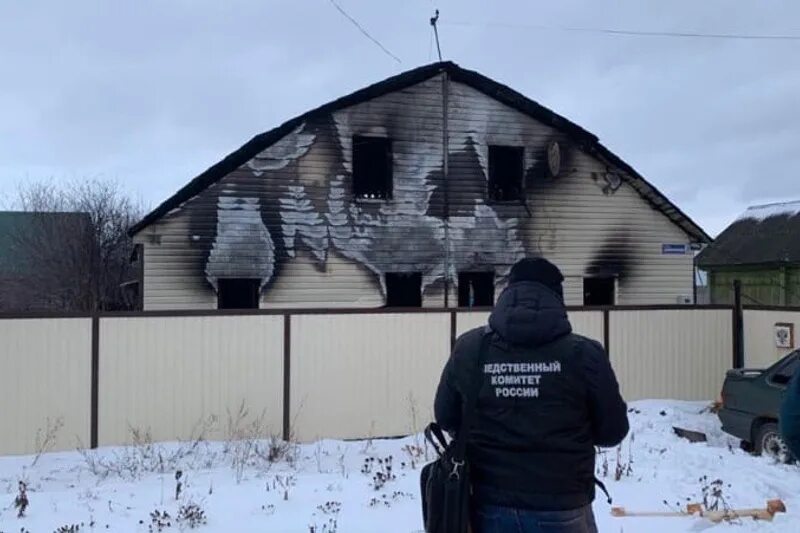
column 751, row 405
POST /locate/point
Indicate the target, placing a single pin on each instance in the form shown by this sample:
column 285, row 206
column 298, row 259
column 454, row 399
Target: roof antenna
column 434, row 20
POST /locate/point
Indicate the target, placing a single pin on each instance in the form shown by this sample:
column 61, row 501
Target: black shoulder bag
column 445, row 482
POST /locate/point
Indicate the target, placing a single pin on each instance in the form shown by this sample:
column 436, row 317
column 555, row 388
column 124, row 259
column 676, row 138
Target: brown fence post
column 453, row 318
column 287, row 377
column 738, row 326
column 95, row 399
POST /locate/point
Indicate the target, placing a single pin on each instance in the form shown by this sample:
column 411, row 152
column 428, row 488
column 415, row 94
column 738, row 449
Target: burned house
column 420, row 190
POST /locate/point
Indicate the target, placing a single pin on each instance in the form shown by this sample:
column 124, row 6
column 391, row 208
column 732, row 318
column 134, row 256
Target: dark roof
column 584, row 139
column 14, row 225
column 764, row 234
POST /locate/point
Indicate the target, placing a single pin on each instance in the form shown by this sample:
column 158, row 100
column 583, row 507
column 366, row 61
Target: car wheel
column 768, row 442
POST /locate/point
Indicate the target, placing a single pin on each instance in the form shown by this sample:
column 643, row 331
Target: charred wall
column 289, row 218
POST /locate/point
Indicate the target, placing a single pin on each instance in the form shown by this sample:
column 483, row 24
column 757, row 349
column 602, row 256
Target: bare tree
column 76, row 248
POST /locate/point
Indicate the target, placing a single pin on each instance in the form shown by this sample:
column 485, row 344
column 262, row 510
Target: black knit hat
column 539, row 270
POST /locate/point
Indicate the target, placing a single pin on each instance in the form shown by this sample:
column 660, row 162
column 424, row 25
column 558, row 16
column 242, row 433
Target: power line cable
column 637, row 33
column 365, row 32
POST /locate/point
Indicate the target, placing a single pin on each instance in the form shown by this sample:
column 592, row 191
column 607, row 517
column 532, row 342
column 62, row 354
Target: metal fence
column 310, row 374
column 760, row 343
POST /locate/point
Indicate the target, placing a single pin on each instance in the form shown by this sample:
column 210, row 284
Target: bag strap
column 605, row 491
column 468, row 416
column 435, row 435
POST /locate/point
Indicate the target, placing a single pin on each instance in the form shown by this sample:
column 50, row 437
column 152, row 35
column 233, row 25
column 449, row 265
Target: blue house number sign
column 674, row 249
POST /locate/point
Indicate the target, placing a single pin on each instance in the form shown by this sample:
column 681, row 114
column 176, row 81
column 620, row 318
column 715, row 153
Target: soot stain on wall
column 615, row 258
column 257, row 218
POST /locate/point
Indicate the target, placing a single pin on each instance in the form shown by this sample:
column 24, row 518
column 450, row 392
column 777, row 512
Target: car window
column 784, row 374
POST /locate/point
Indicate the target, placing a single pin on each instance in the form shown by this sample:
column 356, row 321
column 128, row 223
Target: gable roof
column 582, row 138
column 763, row 234
column 15, row 225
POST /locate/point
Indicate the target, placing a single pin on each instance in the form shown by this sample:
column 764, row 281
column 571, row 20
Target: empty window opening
column 599, row 291
column 505, row 173
column 237, row 294
column 131, row 294
column 372, row 168
column 404, row 290
column 136, row 254
column 475, row 289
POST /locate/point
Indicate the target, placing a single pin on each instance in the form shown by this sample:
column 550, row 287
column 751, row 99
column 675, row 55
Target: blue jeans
column 489, row 519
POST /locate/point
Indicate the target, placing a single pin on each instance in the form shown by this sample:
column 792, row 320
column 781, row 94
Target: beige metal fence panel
column 353, row 375
column 170, row 376
column 760, row 343
column 470, row 320
column 362, row 375
column 45, row 384
column 587, row 323
column 680, row 354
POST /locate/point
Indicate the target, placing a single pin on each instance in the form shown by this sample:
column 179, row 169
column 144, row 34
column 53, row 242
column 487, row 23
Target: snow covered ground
column 370, row 486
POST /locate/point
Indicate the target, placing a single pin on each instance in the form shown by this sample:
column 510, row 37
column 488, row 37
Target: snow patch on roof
column 763, row 212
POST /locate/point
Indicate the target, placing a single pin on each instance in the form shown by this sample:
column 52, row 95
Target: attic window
column 136, row 254
column 505, row 173
column 599, row 291
column 237, row 293
column 475, row 289
column 404, row 290
column 372, row 168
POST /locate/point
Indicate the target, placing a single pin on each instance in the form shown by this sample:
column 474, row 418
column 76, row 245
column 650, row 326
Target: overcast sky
column 153, row 92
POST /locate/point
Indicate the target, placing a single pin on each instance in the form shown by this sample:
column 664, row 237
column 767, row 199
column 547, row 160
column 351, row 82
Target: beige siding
column 681, row 355
column 45, row 381
column 328, row 250
column 169, row 375
column 586, row 323
column 341, row 284
column 172, row 268
column 356, row 376
column 573, row 222
column 760, row 350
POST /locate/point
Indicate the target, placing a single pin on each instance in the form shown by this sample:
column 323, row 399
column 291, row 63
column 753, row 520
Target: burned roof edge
column 504, row 94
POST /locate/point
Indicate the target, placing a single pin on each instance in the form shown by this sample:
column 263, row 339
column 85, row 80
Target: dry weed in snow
column 265, row 484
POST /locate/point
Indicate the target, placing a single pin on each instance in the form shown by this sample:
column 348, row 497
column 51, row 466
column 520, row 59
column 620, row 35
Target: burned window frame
column 493, row 170
column 366, row 182
column 255, row 287
column 476, row 274
column 393, row 275
column 614, row 287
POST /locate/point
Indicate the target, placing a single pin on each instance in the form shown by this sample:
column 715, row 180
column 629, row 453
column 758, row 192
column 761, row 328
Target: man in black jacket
column 547, row 398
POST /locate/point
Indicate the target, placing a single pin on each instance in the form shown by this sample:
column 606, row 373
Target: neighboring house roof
column 583, row 139
column 15, row 224
column 764, row 234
